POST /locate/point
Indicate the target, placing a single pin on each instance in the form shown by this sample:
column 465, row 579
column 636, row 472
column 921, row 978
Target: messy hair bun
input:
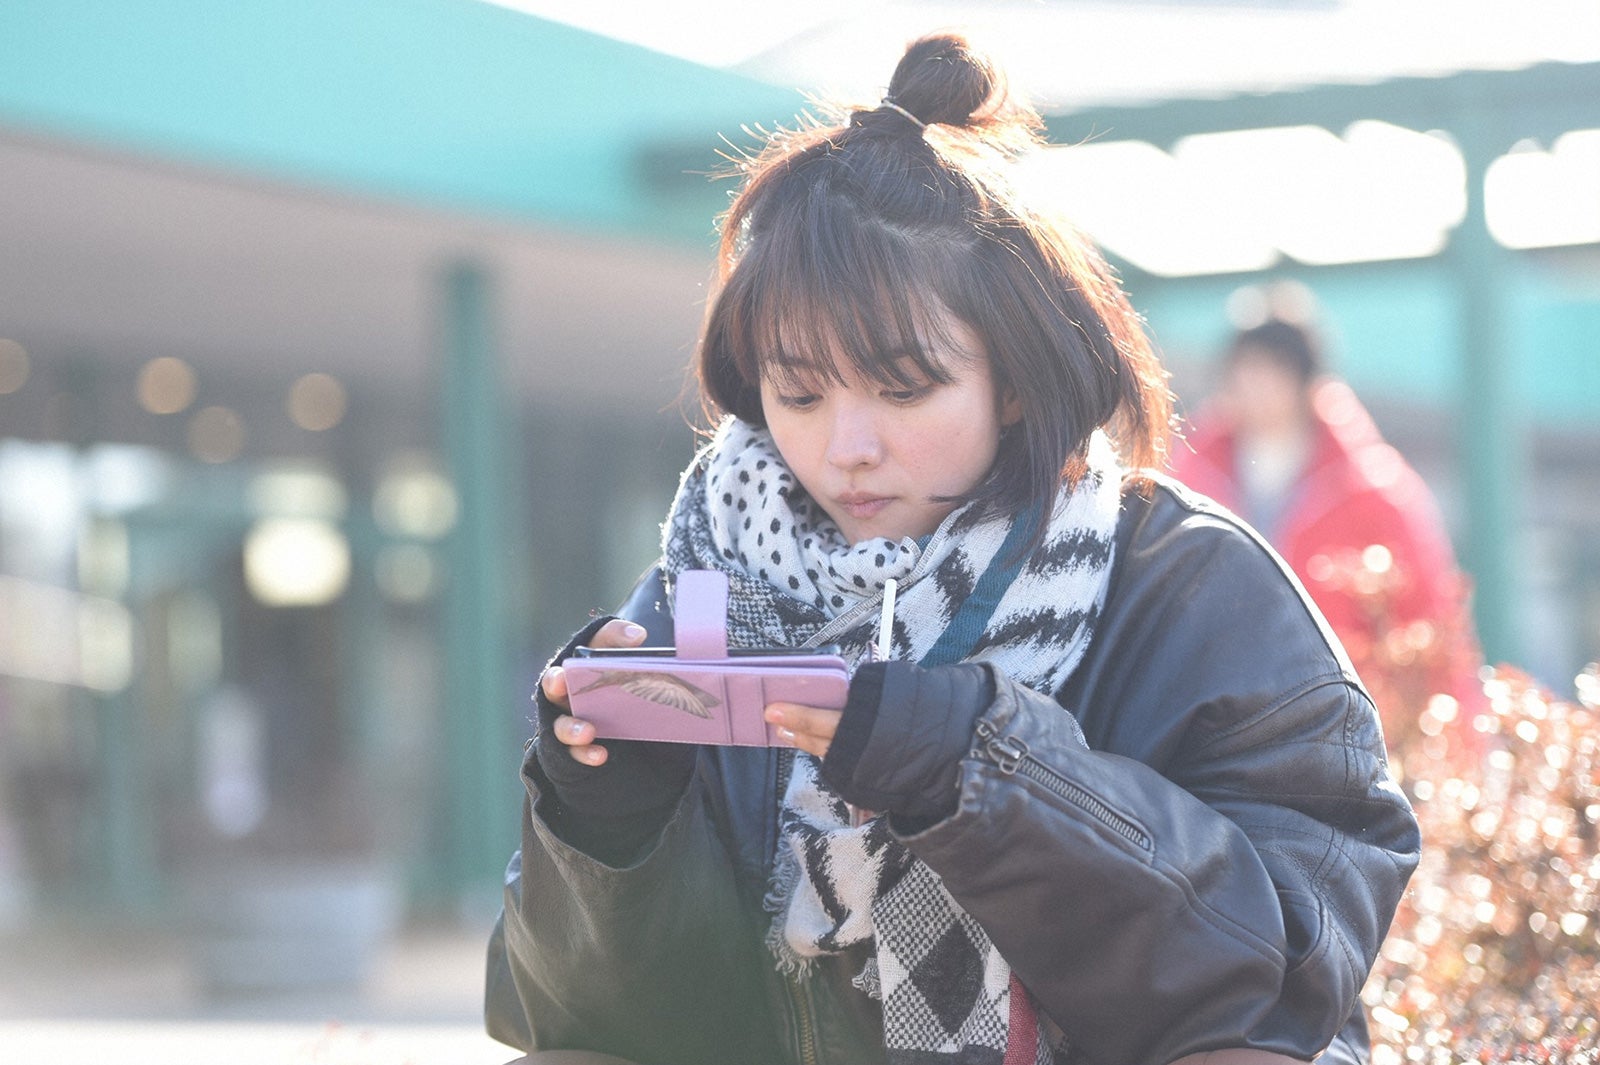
column 942, row 80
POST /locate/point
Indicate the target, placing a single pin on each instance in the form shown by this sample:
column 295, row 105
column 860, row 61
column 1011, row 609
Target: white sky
column 1065, row 52
column 1231, row 202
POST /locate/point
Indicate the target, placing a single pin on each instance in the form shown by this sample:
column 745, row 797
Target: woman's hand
column 809, row 728
column 575, row 732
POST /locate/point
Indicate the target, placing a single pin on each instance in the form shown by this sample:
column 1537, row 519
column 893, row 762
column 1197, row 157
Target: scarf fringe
column 869, row 981
column 786, row 873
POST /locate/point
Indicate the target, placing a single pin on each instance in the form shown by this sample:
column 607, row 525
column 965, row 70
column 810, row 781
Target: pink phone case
column 700, row 695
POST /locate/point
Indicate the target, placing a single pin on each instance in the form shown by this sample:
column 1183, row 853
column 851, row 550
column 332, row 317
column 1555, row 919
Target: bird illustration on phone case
column 661, row 688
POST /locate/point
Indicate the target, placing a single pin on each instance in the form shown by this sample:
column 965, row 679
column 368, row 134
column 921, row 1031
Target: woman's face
column 877, row 456
column 1265, row 398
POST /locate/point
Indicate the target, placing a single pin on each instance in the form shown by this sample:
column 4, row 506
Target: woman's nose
column 853, row 438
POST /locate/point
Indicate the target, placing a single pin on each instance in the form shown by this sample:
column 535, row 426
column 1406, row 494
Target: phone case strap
column 700, row 614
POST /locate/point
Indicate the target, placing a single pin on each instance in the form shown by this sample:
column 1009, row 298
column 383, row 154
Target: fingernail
column 592, row 756
column 632, row 631
column 787, row 736
column 573, row 729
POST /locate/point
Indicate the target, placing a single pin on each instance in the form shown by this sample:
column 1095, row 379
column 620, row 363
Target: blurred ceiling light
column 296, row 562
column 41, row 507
column 297, row 492
column 124, row 477
column 407, row 573
column 103, row 557
column 216, row 434
column 105, row 644
column 166, row 385
column 1380, row 192
column 1383, row 192
column 46, row 648
column 1250, row 305
column 1538, row 199
column 69, row 638
column 1233, row 202
column 13, row 366
column 316, row 401
column 1134, row 200
column 414, row 499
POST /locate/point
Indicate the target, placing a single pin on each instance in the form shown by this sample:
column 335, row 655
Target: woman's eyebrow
column 790, row 368
column 906, row 361
column 793, row 362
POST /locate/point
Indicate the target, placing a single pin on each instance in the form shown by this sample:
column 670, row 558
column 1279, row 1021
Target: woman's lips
column 861, row 507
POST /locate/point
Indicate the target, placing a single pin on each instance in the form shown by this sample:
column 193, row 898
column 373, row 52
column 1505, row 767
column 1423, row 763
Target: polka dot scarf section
column 763, row 524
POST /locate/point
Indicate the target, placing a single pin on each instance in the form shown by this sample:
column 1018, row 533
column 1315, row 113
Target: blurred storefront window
column 204, row 659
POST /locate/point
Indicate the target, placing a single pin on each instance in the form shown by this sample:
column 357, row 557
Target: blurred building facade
column 339, row 366
column 341, row 358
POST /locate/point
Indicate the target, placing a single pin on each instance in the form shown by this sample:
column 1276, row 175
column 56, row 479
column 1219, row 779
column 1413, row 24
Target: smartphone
column 652, row 694
column 733, row 652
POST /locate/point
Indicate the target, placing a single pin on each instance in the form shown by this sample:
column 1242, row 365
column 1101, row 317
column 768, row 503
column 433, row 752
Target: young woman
column 1291, row 449
column 1116, row 796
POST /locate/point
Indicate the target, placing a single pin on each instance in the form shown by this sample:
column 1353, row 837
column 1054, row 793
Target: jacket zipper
column 1011, row 755
column 799, row 994
column 805, row 1023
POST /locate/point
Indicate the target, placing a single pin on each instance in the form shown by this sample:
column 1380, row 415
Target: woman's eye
column 904, row 395
column 800, row 402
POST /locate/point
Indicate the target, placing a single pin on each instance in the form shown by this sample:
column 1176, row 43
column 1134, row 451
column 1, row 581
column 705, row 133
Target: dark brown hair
column 1292, row 345
column 849, row 237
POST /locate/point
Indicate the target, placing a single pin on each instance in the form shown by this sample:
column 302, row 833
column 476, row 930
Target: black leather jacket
column 1212, row 862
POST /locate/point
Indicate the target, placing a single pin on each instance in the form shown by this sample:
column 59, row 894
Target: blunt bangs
column 821, row 292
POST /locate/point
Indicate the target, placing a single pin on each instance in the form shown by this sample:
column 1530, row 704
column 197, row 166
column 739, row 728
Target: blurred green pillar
column 1492, row 425
column 482, row 755
column 129, row 882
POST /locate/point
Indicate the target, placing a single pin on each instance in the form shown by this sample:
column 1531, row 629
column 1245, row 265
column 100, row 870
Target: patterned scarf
column 794, row 580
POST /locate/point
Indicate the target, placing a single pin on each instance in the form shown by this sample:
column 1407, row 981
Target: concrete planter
column 285, row 925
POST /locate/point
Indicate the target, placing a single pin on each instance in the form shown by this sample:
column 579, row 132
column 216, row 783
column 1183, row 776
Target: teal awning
column 454, row 104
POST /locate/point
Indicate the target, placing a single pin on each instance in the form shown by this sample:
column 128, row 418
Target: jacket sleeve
column 654, row 961
column 1220, row 869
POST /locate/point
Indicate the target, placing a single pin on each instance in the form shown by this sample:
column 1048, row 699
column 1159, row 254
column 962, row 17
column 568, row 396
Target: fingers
column 554, row 685
column 809, row 728
column 576, row 733
column 618, row 633
column 614, row 633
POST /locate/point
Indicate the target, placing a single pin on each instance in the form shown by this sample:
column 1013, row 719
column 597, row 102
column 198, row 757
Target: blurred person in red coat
column 1291, row 449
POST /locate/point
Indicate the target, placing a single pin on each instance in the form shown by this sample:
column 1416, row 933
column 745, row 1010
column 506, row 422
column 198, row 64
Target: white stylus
column 886, row 621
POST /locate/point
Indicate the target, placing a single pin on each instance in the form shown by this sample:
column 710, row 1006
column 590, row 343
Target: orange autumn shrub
column 1494, row 954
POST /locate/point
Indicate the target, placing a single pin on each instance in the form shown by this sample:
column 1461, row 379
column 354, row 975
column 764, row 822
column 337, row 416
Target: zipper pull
column 1006, row 751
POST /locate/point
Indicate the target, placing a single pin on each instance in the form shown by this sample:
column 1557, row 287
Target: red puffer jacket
column 1364, row 534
